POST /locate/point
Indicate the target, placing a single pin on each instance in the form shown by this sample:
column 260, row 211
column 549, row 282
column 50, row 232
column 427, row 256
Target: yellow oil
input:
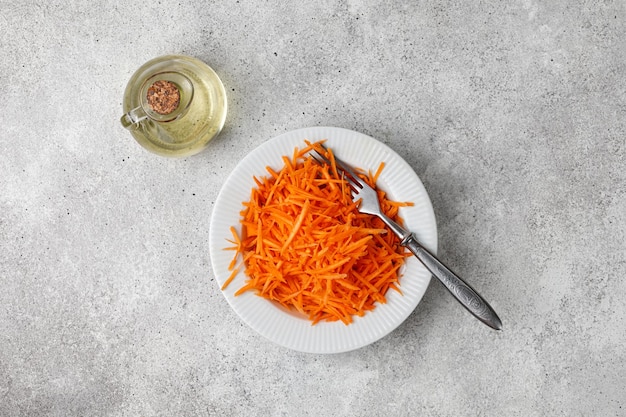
column 202, row 121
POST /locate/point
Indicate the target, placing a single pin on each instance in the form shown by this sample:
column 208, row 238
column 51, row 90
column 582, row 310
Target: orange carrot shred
column 230, row 278
column 305, row 246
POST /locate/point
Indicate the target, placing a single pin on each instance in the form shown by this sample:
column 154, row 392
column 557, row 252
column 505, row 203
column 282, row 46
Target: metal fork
column 369, row 204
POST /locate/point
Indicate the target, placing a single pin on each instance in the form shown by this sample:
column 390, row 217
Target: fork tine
column 323, row 159
column 354, row 180
column 345, row 167
column 319, row 157
column 362, row 193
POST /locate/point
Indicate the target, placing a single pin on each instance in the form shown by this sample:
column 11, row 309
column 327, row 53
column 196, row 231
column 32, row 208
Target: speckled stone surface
column 513, row 114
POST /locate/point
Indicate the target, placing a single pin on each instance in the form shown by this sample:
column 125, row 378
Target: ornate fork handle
column 465, row 294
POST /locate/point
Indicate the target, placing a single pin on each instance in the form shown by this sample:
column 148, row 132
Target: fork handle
column 465, row 294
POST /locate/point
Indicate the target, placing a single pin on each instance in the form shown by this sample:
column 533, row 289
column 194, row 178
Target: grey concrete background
column 512, row 113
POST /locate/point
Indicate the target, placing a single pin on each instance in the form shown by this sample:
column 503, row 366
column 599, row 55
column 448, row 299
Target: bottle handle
column 131, row 119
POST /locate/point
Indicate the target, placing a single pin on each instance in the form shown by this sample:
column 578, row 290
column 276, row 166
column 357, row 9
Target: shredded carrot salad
column 305, row 245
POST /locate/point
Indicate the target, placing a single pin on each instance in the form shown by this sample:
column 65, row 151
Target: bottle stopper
column 163, row 97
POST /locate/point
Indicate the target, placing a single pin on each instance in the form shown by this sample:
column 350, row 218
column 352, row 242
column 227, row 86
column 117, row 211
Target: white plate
column 290, row 330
